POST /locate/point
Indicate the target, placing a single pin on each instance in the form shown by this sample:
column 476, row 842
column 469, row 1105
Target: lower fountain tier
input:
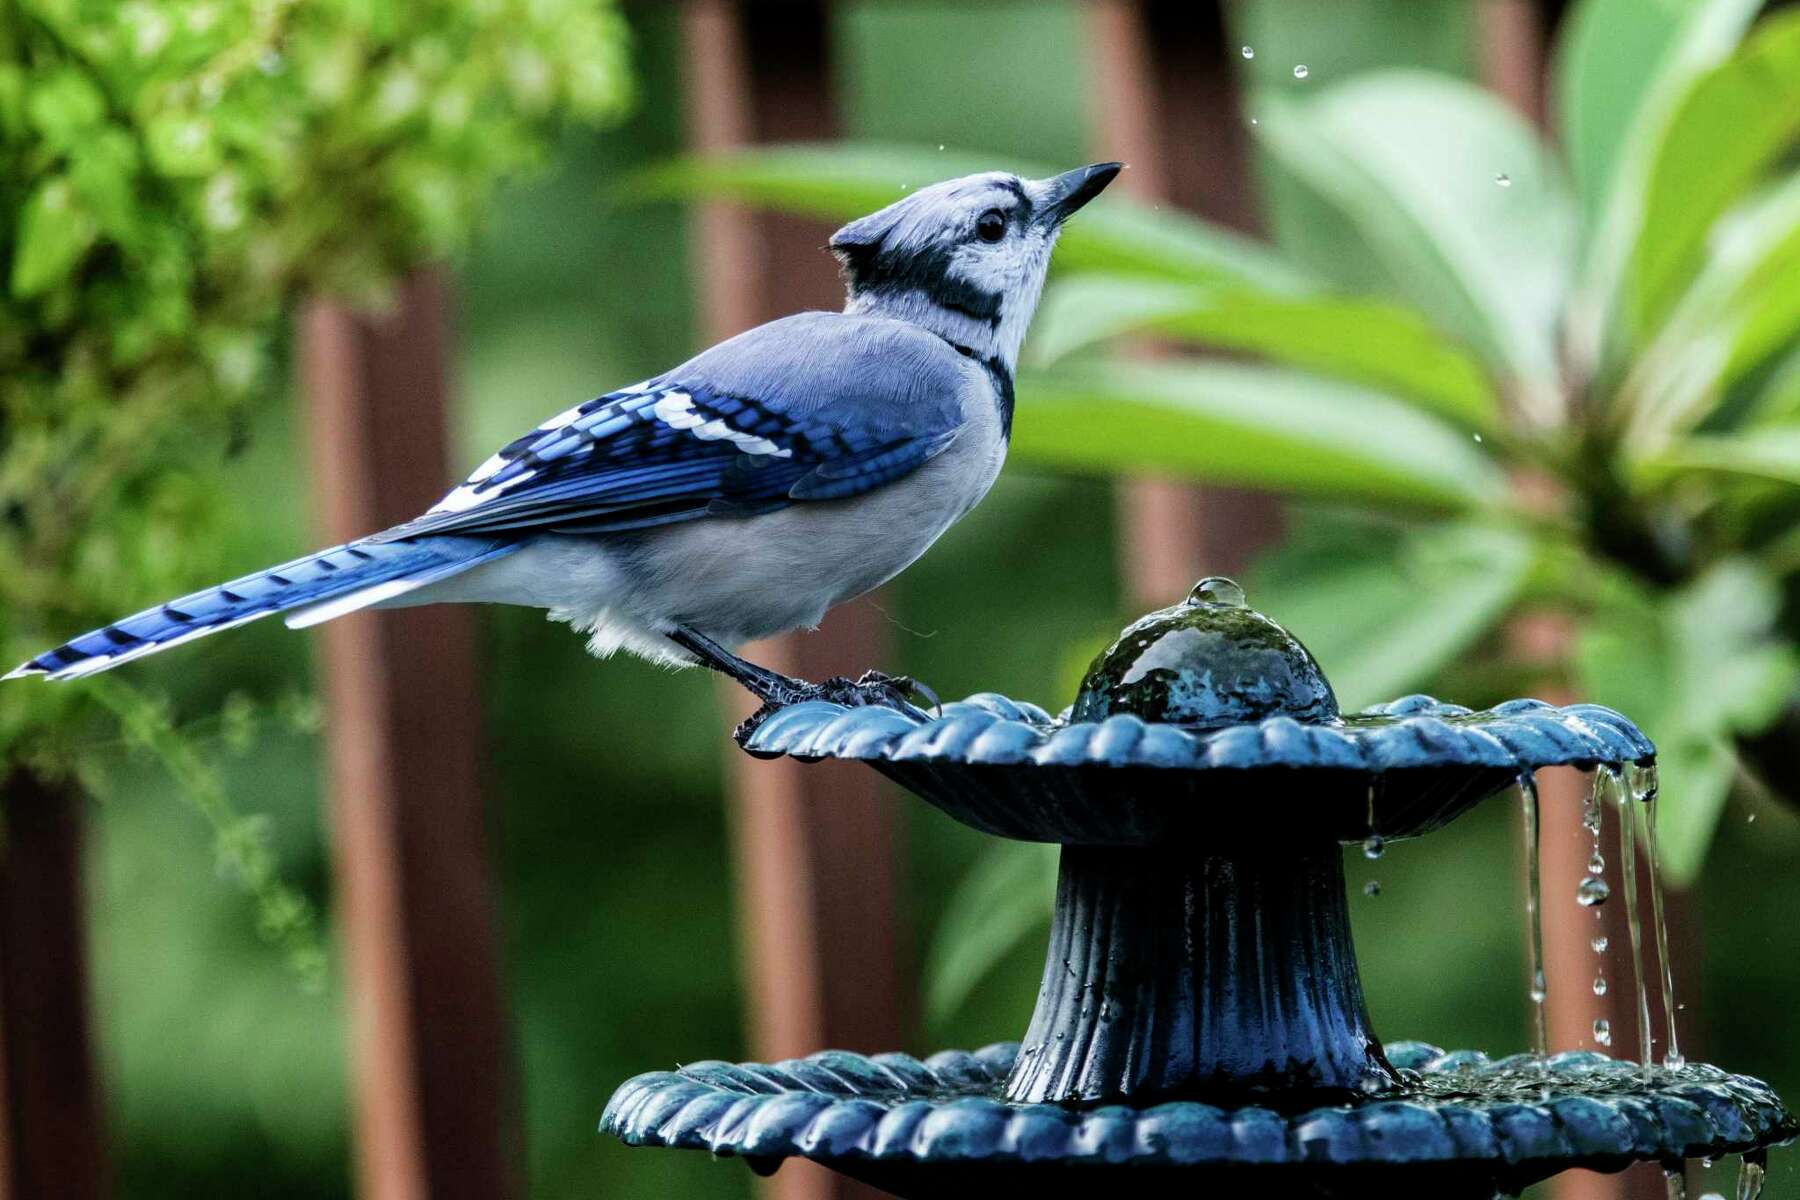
column 1176, row 975
column 1460, row 1127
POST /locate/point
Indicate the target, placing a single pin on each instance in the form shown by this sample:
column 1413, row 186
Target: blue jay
column 740, row 495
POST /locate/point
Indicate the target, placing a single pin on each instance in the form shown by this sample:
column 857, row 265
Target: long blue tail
column 323, row 585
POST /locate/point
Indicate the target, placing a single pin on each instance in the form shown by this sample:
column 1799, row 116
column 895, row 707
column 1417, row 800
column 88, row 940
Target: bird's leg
column 771, row 687
column 776, row 690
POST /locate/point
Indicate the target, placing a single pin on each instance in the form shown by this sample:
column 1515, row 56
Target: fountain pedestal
column 1200, row 1028
column 1176, row 975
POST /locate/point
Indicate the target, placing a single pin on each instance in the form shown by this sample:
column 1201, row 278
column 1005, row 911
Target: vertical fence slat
column 815, row 846
column 52, row 1143
column 1166, row 105
column 427, row 1029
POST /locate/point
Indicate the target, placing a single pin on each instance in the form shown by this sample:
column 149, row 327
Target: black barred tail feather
column 315, row 588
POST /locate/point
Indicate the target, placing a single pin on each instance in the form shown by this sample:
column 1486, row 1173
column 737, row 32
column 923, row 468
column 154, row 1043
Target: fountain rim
column 838, row 1107
column 1416, row 732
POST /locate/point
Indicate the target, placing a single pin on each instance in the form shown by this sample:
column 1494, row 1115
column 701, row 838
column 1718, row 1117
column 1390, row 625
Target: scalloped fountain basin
column 1125, row 781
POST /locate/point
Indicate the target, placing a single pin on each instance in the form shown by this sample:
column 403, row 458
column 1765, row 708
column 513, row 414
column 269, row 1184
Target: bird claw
column 872, row 688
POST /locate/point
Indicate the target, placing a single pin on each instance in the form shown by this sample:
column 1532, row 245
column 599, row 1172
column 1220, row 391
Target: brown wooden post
column 1166, row 106
column 815, row 845
column 428, row 1040
column 52, row 1142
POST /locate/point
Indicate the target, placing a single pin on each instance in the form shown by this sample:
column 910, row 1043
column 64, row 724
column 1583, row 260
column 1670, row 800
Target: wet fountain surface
column 1201, row 1020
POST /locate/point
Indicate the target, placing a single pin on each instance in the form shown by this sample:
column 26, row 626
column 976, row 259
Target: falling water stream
column 1534, row 912
column 1612, row 780
column 1626, row 788
column 1643, row 783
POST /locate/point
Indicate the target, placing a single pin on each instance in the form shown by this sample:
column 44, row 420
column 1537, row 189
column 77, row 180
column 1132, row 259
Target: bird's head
column 965, row 258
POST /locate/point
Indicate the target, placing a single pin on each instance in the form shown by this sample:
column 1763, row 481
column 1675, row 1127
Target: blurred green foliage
column 174, row 176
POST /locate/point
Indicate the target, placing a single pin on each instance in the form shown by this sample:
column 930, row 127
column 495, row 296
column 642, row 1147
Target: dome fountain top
column 1201, row 1019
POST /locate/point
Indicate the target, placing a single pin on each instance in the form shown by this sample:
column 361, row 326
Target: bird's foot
column 872, row 688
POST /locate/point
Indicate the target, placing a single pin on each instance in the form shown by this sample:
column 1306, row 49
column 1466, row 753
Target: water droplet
column 1372, row 888
column 1249, row 53
column 1254, row 121
column 1373, row 846
column 1599, row 985
column 1603, row 1031
column 1371, row 1084
column 1707, row 1163
column 1503, row 179
column 1592, row 892
column 1590, row 819
column 940, row 145
column 1752, row 819
column 1300, row 72
column 1596, row 863
column 1674, row 1062
column 1711, row 1195
column 1478, row 437
column 269, row 62
column 1599, row 944
column 1216, row 589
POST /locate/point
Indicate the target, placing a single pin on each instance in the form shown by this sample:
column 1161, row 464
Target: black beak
column 1072, row 189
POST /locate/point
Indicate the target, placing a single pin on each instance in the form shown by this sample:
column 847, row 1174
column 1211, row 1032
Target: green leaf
column 838, row 181
column 1369, row 341
column 1382, row 611
column 1693, row 667
column 1741, row 309
column 1255, row 426
column 1735, row 123
column 1005, row 898
column 1612, row 58
column 53, row 234
column 1771, row 454
column 1416, row 161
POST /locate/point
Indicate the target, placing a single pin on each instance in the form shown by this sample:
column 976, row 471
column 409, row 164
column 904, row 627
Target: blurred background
column 1467, row 335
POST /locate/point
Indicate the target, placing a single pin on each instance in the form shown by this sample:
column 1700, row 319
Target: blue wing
column 820, row 406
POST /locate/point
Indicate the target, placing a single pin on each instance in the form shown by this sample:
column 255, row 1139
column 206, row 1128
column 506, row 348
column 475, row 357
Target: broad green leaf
column 1460, row 199
column 1770, row 453
column 1614, row 123
column 1369, row 341
column 54, row 232
column 1255, row 426
column 1742, row 308
column 1005, row 898
column 1611, row 58
column 838, row 181
column 1735, row 123
column 1693, row 667
column 1384, row 612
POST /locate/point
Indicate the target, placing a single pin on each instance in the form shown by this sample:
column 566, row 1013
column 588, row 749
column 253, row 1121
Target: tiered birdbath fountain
column 1200, row 1029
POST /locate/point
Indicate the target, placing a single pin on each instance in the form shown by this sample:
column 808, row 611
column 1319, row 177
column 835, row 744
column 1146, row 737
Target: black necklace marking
column 1002, row 380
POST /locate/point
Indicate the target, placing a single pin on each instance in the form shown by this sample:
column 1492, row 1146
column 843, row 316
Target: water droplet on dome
column 1249, row 53
column 1372, row 888
column 1300, row 72
column 1599, row 985
column 1592, row 892
column 1503, row 179
column 1216, row 589
column 1603, row 1031
column 1373, row 846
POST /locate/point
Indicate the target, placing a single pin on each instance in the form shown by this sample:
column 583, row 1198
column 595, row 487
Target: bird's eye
column 990, row 226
